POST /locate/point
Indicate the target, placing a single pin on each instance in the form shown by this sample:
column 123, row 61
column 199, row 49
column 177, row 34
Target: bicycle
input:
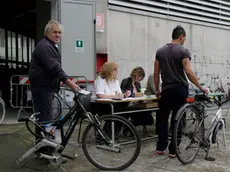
column 101, row 143
column 59, row 101
column 189, row 123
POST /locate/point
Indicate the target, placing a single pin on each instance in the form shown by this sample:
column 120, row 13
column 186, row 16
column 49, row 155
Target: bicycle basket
column 85, row 100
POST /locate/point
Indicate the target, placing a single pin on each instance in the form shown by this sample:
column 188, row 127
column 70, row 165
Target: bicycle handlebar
column 203, row 97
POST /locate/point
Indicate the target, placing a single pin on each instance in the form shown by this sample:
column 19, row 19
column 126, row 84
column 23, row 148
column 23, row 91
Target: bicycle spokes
column 109, row 146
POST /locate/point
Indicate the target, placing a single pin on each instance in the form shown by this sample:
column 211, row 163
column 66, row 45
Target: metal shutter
column 210, row 11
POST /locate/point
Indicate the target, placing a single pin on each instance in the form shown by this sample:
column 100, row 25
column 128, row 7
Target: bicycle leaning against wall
column 103, row 144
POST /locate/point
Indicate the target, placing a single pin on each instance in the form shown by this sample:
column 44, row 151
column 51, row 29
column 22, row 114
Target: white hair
column 50, row 24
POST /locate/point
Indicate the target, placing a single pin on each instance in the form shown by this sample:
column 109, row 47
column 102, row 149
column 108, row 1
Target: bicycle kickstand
column 208, row 158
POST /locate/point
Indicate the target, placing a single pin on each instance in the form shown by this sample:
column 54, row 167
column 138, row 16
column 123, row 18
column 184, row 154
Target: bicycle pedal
column 69, row 156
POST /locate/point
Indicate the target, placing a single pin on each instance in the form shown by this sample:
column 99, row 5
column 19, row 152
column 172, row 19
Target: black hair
column 177, row 32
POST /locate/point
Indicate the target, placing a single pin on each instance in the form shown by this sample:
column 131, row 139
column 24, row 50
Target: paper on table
column 84, row 92
column 133, row 98
column 150, row 96
column 104, row 99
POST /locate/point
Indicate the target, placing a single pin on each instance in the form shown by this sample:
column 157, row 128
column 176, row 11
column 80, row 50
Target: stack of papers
column 84, row 92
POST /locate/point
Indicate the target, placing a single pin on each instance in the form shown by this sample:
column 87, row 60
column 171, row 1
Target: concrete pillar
column 55, row 15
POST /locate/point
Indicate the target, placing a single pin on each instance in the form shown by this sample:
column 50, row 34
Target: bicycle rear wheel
column 218, row 135
column 187, row 134
column 2, row 110
column 120, row 153
column 57, row 107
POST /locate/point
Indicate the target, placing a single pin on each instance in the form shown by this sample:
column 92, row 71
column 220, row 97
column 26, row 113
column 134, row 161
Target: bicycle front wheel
column 121, row 148
column 2, row 110
column 187, row 134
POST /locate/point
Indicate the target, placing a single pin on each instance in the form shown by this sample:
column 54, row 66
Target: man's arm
column 156, row 77
column 53, row 66
column 191, row 75
column 47, row 58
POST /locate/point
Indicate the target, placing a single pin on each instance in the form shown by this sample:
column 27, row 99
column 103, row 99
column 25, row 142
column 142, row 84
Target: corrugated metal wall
column 210, row 11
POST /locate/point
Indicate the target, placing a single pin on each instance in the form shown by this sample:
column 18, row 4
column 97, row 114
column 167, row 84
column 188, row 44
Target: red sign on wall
column 100, row 22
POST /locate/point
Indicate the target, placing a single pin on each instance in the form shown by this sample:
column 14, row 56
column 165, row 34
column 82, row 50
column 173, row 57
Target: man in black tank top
column 173, row 63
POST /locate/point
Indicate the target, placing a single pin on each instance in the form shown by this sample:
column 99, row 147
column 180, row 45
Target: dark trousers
column 141, row 118
column 157, row 123
column 42, row 102
column 171, row 100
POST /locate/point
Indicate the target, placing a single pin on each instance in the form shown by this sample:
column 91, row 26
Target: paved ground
column 15, row 140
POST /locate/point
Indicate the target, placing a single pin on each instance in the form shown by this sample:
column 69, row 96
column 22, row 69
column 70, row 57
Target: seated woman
column 150, row 90
column 132, row 84
column 107, row 87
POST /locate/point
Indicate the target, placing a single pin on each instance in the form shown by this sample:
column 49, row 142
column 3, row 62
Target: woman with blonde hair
column 107, row 85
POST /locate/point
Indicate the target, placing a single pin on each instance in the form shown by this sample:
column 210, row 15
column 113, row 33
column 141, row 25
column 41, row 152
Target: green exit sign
column 79, row 45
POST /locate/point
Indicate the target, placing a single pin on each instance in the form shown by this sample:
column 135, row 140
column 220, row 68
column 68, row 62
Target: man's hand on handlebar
column 76, row 89
column 205, row 90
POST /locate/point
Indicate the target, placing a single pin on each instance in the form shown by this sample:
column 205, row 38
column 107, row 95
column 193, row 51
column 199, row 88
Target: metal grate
column 210, row 11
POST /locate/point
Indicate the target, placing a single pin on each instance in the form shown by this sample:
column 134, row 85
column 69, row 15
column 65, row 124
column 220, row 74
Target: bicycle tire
column 2, row 110
column 178, row 121
column 57, row 107
column 219, row 126
column 128, row 124
column 215, row 131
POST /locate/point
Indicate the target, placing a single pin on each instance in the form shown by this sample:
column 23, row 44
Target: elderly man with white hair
column 46, row 73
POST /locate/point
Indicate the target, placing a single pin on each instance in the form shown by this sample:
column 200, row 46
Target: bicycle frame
column 75, row 113
column 48, row 139
column 206, row 135
column 213, row 124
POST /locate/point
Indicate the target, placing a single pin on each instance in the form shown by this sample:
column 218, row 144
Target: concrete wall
column 133, row 40
column 101, row 37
